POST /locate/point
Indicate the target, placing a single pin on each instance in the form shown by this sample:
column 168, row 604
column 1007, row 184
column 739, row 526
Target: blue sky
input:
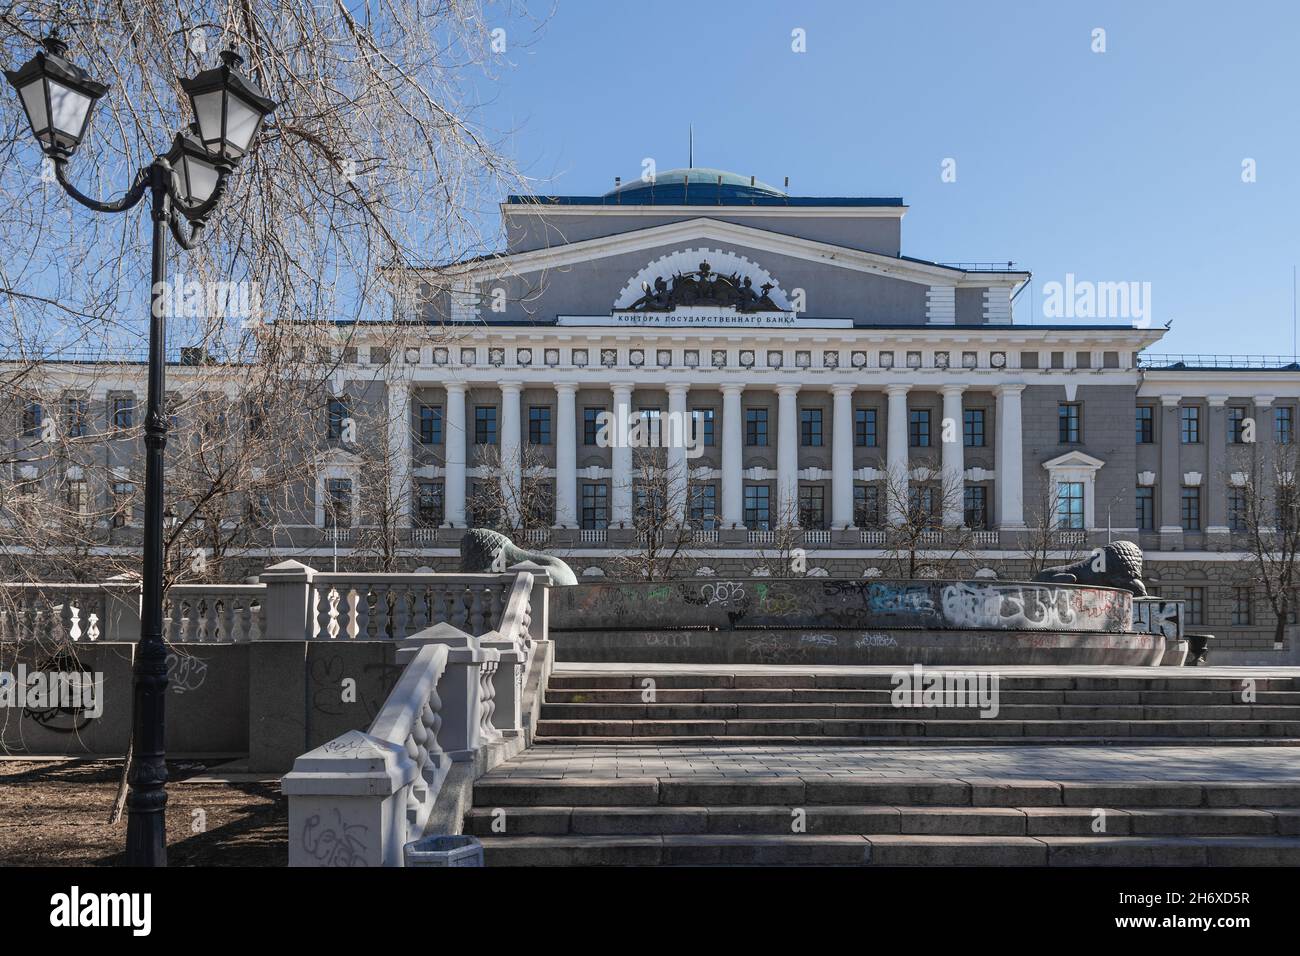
column 1117, row 166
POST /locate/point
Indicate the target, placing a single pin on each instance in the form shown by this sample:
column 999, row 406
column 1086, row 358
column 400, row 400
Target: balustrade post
column 121, row 609
column 459, row 735
column 507, row 684
column 539, row 625
column 287, row 605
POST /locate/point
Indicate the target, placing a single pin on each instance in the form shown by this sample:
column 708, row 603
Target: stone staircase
column 891, row 822
column 853, row 705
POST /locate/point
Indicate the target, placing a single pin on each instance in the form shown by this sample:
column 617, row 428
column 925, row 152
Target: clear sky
column 1116, row 166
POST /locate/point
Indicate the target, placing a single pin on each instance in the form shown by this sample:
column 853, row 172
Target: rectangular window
column 972, row 428
column 704, row 507
column 864, row 427
column 123, row 412
column 33, row 415
column 485, row 424
column 1283, row 424
column 651, row 424
column 1146, row 508
column 429, row 504
column 1237, row 509
column 649, row 506
column 1189, row 509
column 78, row 499
column 1241, row 609
column 595, row 505
column 866, row 506
column 123, row 495
column 758, row 515
column 812, row 507
column 539, row 424
column 430, row 424
column 78, row 412
column 1146, row 425
column 1236, row 424
column 702, row 426
column 918, row 428
column 1189, row 418
column 920, row 505
column 810, row 427
column 975, row 507
column 1069, row 417
column 1194, row 609
column 337, row 418
column 591, row 425
column 756, row 427
column 338, row 502
column 1069, row 505
column 484, row 506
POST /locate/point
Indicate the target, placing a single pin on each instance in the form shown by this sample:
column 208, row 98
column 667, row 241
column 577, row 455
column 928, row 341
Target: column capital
column 1008, row 388
column 788, row 388
column 458, row 388
column 897, row 388
column 732, row 388
column 510, row 386
column 954, row 388
column 1217, row 401
column 566, row 386
column 843, row 388
column 677, row 387
column 1170, row 401
column 1264, row 401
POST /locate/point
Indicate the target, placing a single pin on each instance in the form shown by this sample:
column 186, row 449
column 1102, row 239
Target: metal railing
column 1167, row 360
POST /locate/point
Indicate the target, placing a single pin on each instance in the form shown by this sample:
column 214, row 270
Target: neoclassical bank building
column 832, row 382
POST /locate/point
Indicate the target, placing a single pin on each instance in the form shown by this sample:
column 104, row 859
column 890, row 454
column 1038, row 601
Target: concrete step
column 808, row 849
column 940, row 725
column 883, row 711
column 844, row 679
column 832, row 695
column 737, row 740
column 883, row 819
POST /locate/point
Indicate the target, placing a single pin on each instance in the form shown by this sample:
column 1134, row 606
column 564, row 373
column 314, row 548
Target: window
column 704, row 507
column 812, row 507
column 255, row 417
column 484, row 505
column 1189, row 509
column 591, row 425
column 918, row 428
column 429, row 504
column 702, row 426
column 1236, row 424
column 1283, row 424
column 595, row 505
column 485, row 424
column 123, row 493
column 538, row 500
column 866, row 506
column 756, row 427
column 975, row 512
column 649, row 506
column 864, row 427
column 430, row 424
column 338, row 502
column 78, row 499
column 1146, row 508
column 1146, row 425
column 539, row 424
column 1068, row 417
column 920, row 505
column 758, row 515
column 1190, row 425
column 972, row 428
column 338, row 416
column 1069, row 505
column 810, row 427
column 78, row 414
column 1241, row 609
column 651, row 425
column 1194, row 609
column 33, row 415
column 123, row 411
column 1237, row 509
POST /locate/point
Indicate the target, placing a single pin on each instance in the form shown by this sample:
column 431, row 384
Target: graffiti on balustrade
column 819, row 640
column 186, row 673
column 1159, row 617
column 328, row 677
column 875, row 640
column 1011, row 607
column 337, row 844
column 770, row 649
column 60, row 694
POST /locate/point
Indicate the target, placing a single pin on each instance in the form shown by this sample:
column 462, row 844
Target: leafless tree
column 916, row 543
column 1269, row 515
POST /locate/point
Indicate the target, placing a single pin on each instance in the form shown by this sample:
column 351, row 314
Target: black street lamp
column 189, row 180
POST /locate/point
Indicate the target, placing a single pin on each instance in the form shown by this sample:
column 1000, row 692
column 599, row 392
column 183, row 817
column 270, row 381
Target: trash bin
column 444, row 850
column 1198, row 648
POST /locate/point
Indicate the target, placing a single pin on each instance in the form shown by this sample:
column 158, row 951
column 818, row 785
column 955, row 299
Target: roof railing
column 1004, row 266
column 1202, row 361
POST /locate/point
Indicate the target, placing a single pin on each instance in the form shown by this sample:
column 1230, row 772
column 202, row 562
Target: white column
column 677, row 433
column 842, row 458
column 732, row 457
column 896, row 454
column 787, row 455
column 566, row 455
column 511, row 451
column 453, row 429
column 620, row 491
column 1011, row 495
column 951, row 434
column 399, row 449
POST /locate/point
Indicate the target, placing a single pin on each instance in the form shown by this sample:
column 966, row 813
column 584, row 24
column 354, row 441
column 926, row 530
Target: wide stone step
column 631, row 679
column 824, row 695
column 884, row 711
column 507, row 792
column 808, row 849
column 936, row 726
column 737, row 740
column 872, row 820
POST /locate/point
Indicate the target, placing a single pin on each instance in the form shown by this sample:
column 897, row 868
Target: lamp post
column 188, row 181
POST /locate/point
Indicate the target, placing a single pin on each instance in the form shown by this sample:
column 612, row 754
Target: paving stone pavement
column 1263, row 764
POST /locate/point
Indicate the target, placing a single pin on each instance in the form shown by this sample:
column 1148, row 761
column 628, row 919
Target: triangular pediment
column 1074, row 459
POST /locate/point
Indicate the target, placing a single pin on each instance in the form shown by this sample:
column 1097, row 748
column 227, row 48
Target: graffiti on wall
column 1158, row 616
